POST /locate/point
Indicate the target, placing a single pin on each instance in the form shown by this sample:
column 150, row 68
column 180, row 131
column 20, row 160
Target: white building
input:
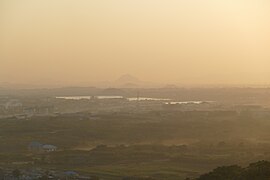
column 49, row 148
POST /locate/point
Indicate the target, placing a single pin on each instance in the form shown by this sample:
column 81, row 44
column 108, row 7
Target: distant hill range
column 127, row 78
column 129, row 81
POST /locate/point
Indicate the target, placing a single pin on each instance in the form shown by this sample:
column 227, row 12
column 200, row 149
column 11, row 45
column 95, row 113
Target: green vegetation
column 255, row 171
column 154, row 144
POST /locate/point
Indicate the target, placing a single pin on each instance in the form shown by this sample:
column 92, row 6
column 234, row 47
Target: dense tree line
column 255, row 171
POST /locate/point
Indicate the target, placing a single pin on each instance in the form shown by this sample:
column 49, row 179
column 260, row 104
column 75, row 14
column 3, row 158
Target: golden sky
column 72, row 42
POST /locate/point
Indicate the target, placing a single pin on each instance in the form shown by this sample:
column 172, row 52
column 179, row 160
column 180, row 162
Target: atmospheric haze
column 75, row 42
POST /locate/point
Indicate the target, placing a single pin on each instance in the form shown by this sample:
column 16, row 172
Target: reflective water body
column 147, row 99
column 167, row 101
column 112, row 97
column 189, row 102
column 89, row 97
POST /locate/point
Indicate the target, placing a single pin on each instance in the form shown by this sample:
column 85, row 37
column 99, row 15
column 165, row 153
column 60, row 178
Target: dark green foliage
column 255, row 171
column 2, row 174
column 16, row 173
column 223, row 173
column 138, row 178
column 44, row 177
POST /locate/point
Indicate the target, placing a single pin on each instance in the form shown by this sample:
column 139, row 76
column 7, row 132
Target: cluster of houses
column 40, row 147
column 38, row 173
column 15, row 107
column 10, row 106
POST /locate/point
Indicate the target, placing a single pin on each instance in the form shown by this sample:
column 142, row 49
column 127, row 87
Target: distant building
column 10, row 106
column 39, row 147
column 35, row 146
column 38, row 110
column 49, row 148
column 71, row 173
column 13, row 103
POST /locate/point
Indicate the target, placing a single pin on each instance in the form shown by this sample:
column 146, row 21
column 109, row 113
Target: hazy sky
column 168, row 41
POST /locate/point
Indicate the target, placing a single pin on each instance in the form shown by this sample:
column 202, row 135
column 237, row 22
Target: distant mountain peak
column 170, row 86
column 127, row 78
